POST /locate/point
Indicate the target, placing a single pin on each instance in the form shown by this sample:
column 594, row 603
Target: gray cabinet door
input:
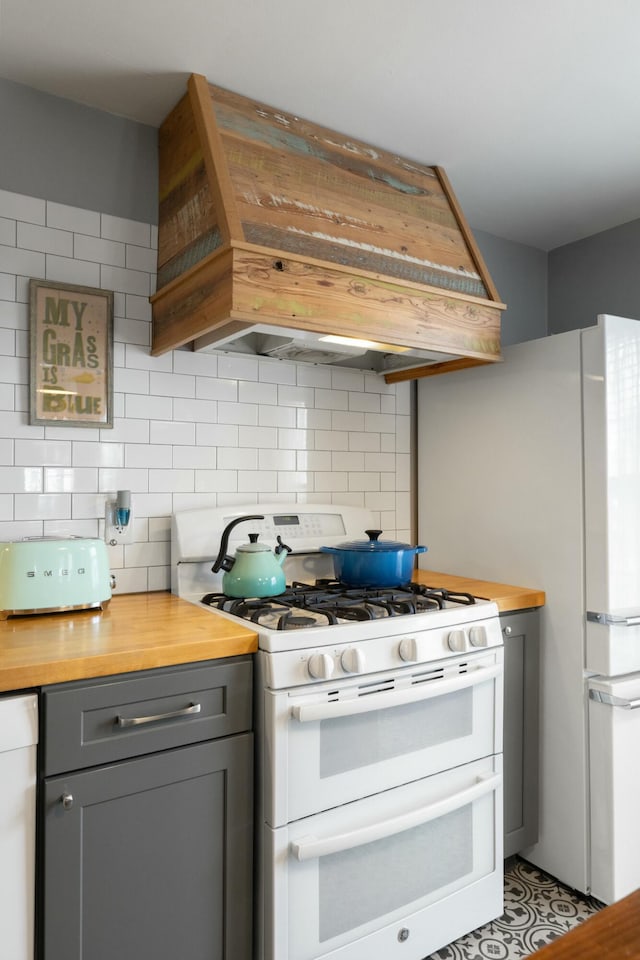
column 151, row 858
column 521, row 681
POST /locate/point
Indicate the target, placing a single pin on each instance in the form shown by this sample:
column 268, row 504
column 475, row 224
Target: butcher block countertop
column 139, row 631
column 508, row 598
column 136, row 631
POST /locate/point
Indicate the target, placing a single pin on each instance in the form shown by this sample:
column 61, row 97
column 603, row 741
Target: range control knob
column 478, row 636
column 353, row 660
column 320, row 666
column 457, row 641
column 408, row 649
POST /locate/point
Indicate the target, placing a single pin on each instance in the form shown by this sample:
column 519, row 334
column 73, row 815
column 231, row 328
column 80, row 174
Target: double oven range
column 378, row 740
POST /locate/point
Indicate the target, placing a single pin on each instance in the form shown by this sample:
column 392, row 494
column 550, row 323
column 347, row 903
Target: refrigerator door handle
column 609, row 619
column 601, row 697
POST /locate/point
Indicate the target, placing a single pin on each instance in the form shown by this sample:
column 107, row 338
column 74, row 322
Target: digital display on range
column 287, row 520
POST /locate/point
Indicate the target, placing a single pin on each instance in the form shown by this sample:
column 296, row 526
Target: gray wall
column 57, row 150
column 520, row 275
column 596, row 275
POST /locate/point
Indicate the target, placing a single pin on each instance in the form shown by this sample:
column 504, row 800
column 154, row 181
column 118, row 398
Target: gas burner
column 329, row 602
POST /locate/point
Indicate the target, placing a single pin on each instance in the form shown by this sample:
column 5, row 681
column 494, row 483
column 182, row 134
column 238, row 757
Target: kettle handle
column 223, row 562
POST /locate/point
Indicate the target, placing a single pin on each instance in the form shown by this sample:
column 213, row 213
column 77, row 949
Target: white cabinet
column 18, row 740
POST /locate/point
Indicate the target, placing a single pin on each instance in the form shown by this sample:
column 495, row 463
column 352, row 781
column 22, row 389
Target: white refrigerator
column 529, row 473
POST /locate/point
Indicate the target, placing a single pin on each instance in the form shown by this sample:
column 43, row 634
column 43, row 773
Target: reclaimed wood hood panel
column 269, row 219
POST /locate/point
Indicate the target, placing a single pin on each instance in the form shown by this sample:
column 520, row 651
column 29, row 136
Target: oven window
column 347, row 743
column 369, row 882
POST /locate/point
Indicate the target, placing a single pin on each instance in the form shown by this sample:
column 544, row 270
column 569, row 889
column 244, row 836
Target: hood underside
column 270, row 221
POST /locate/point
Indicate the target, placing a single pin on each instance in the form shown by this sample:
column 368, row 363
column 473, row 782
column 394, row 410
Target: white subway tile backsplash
column 276, row 371
column 141, row 258
column 291, row 396
column 67, row 270
column 17, row 206
column 14, row 315
column 131, row 331
column 42, row 506
column 76, row 220
column 21, row 479
column 214, row 481
column 295, row 439
column 190, row 429
column 277, row 459
column 172, row 384
column 196, row 364
column 125, row 281
column 127, row 380
column 200, row 411
column 138, row 308
column 251, row 392
column 168, row 481
column 25, row 262
column 126, row 231
column 7, row 286
column 237, row 458
column 240, row 413
column 7, row 342
column 216, row 434
column 99, row 250
column 331, row 399
column 149, row 455
column 237, row 368
column 257, row 481
column 257, row 437
column 8, row 232
column 277, row 416
column 195, row 458
column 33, row 453
column 7, row 396
column 144, row 407
column 96, row 454
column 70, row 479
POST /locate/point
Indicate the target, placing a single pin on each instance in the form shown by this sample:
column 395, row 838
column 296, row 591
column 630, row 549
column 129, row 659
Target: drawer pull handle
column 137, row 721
column 67, row 800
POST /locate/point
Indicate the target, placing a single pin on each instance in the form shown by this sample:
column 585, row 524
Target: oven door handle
column 328, row 709
column 311, row 848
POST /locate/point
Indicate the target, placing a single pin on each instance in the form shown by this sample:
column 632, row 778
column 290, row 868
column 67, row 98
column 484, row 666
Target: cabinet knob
column 507, row 631
column 67, row 800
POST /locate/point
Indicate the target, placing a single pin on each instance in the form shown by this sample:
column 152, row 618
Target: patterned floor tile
column 537, row 909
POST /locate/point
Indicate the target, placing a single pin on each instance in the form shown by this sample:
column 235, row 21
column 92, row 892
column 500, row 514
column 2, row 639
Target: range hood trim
column 209, row 295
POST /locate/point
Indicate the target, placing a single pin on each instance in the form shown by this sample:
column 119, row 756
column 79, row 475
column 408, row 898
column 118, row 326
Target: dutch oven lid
column 373, row 545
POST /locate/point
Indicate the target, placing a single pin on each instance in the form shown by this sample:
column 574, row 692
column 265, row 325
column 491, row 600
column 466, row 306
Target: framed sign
column 71, row 336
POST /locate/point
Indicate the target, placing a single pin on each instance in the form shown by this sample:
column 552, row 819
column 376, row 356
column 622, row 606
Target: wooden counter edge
column 507, row 597
column 55, row 648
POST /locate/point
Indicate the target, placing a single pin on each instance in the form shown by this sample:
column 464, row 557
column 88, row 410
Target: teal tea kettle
column 255, row 571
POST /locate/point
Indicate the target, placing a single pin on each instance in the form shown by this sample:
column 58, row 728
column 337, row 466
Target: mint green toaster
column 49, row 574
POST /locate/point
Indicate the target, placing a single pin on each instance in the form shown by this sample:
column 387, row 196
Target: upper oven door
column 329, row 744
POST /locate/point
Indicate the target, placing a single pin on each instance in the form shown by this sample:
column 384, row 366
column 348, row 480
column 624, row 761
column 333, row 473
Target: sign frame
column 71, row 355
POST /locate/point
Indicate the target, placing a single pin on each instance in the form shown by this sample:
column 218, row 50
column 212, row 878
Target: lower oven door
column 399, row 874
column 329, row 744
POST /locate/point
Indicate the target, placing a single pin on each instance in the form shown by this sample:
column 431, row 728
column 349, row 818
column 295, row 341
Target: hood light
column 367, row 344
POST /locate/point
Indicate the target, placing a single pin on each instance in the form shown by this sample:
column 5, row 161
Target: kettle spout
column 281, row 550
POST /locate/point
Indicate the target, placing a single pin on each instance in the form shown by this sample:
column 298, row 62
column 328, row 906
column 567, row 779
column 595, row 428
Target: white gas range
column 379, row 743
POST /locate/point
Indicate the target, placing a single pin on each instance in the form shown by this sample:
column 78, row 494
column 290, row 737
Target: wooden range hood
column 266, row 218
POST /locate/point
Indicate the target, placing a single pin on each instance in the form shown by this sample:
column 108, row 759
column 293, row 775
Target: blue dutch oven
column 373, row 562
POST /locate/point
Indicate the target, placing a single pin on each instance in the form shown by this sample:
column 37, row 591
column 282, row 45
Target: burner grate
column 329, row 602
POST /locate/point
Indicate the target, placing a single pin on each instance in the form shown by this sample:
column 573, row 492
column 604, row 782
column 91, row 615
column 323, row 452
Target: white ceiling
column 530, row 107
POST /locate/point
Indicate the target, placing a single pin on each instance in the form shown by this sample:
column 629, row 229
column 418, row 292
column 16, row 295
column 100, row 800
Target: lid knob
column 373, row 534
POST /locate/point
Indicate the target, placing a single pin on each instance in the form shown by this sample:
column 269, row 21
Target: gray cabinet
column 147, row 816
column 521, row 681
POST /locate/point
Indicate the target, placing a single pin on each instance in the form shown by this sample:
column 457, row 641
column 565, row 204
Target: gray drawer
column 87, row 723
